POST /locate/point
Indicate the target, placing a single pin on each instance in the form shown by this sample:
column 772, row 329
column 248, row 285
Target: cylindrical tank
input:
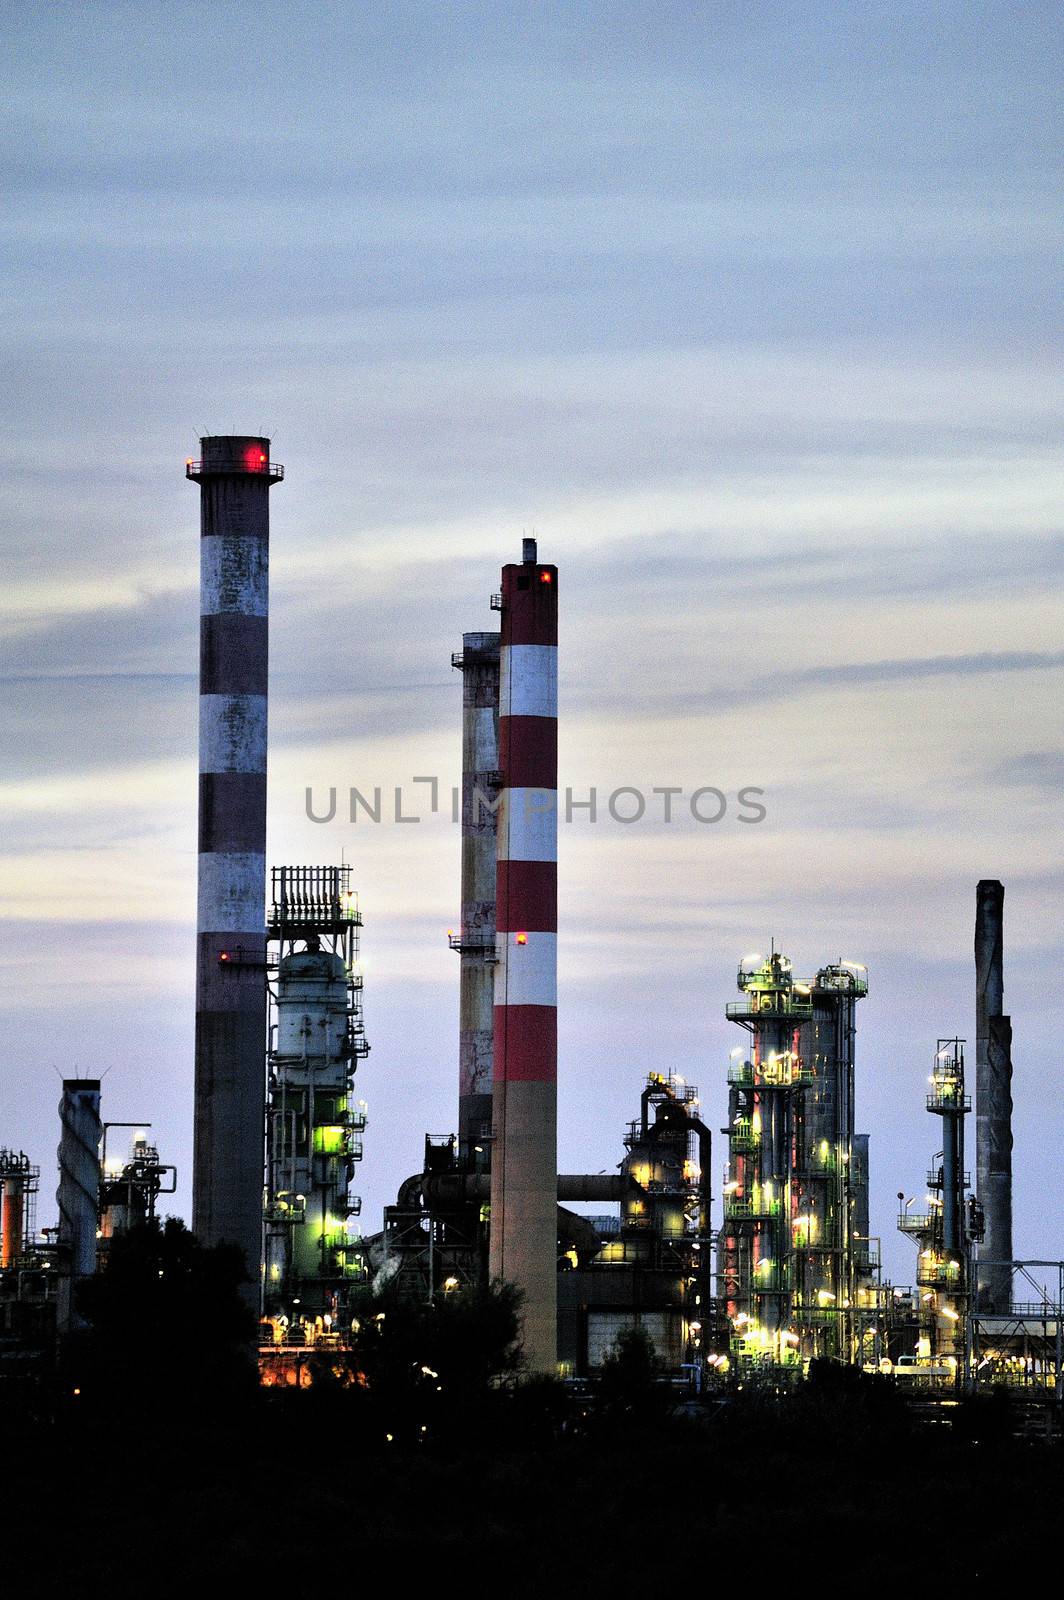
column 312, row 1011
column 524, row 1194
column 235, row 475
column 310, row 1152
column 11, row 1221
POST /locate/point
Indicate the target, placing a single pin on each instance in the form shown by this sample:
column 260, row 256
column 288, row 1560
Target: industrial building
column 794, row 1251
column 952, row 1222
column 787, row 1273
column 99, row 1197
column 314, row 1124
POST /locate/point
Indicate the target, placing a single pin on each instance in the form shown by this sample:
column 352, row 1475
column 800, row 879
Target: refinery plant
column 777, row 1270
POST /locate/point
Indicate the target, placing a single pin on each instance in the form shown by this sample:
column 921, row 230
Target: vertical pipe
column 524, row 1231
column 993, row 1091
column 78, row 1194
column 861, row 1218
column 952, row 1192
column 11, row 1222
column 480, row 763
column 235, row 477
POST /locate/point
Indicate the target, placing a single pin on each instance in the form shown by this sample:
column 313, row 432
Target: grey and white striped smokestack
column 993, row 1099
column 235, row 476
column 476, row 942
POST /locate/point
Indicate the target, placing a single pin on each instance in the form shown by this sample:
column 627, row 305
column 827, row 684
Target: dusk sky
column 751, row 313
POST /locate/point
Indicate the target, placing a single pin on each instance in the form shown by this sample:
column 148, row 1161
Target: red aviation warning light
column 545, row 577
column 255, row 458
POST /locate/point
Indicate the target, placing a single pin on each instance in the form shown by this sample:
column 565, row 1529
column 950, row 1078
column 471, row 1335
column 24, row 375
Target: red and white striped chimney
column 524, row 1161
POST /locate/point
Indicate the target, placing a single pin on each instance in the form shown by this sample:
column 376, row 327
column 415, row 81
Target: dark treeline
column 420, row 1461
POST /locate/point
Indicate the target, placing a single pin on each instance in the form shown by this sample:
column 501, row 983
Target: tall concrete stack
column 479, row 662
column 524, row 1162
column 993, row 1099
column 235, row 475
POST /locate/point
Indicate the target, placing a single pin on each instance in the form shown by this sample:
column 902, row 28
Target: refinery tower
column 794, row 1253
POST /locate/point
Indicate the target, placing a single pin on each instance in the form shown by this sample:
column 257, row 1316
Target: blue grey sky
column 751, row 312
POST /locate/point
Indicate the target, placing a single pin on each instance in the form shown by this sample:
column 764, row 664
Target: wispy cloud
column 751, row 316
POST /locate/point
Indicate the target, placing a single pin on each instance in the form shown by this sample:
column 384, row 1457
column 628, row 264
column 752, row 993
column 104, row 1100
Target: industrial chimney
column 993, row 1100
column 524, row 1161
column 235, row 475
column 78, row 1195
column 479, row 662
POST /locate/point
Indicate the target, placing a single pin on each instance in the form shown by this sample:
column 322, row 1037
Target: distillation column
column 18, row 1184
column 78, row 1194
column 11, row 1222
column 235, row 476
column 993, row 1099
column 826, row 1157
column 479, row 662
column 524, row 1183
column 314, row 1128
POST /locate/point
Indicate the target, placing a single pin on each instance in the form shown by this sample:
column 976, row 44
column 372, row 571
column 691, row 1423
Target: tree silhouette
column 166, row 1318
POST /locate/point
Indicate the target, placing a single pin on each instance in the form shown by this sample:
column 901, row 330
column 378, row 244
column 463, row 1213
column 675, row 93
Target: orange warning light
column 522, row 938
column 545, row 577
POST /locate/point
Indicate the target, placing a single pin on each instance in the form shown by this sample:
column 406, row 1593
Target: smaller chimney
column 528, row 551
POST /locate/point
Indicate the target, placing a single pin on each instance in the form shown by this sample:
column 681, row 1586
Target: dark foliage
column 631, row 1387
column 420, row 1372
column 168, row 1325
column 422, row 1450
column 198, row 1499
